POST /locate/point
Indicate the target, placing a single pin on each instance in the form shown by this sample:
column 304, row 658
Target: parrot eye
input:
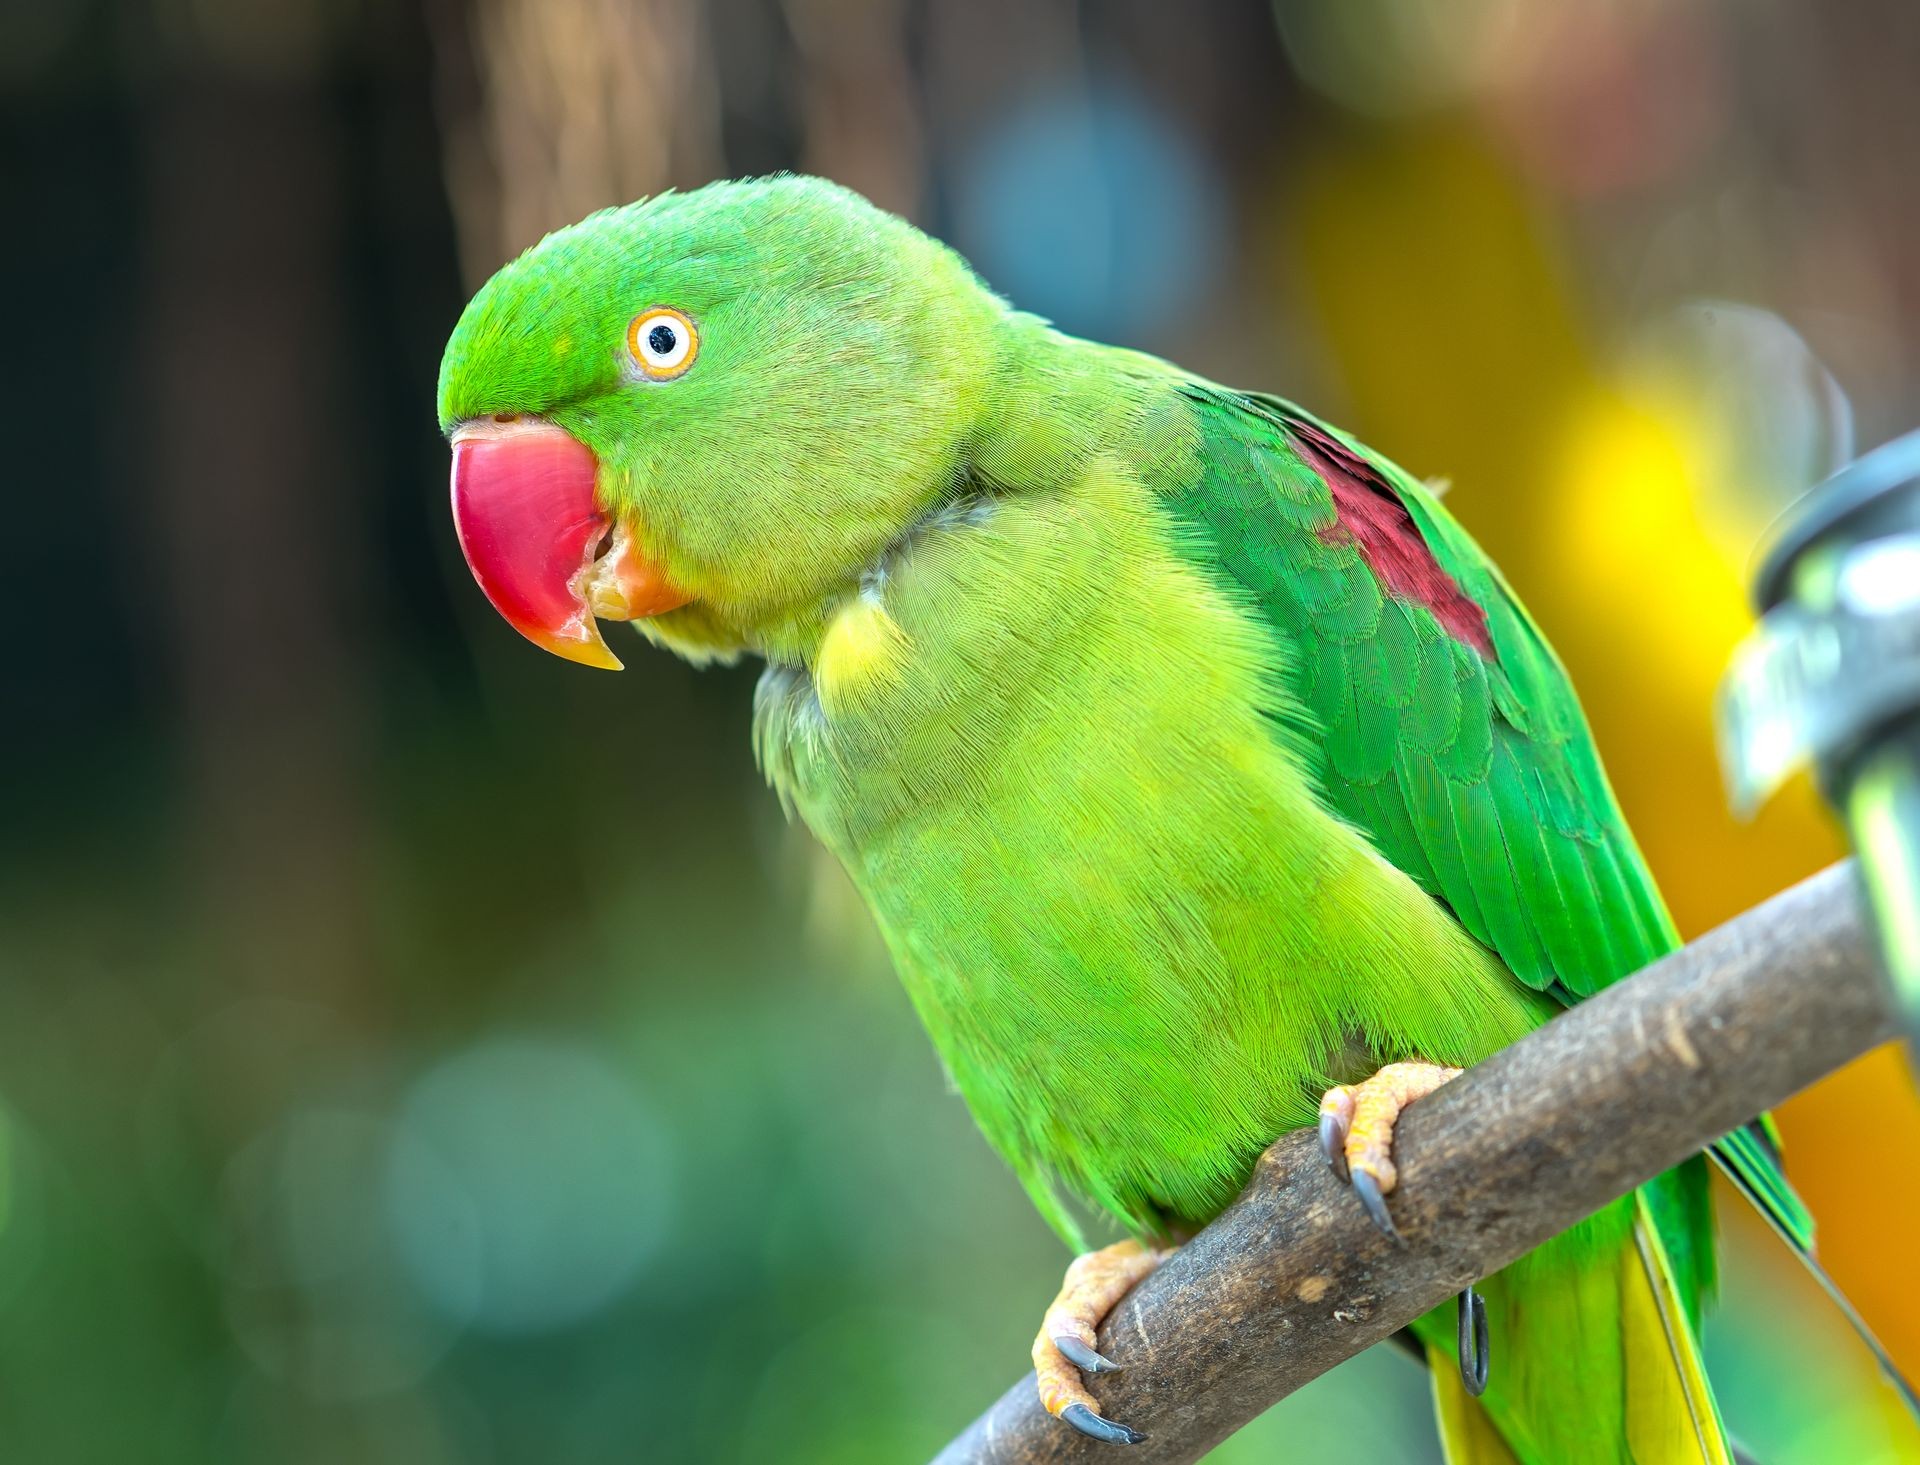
column 662, row 342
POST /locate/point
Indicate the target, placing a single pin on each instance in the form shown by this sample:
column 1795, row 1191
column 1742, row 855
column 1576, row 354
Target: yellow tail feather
column 1671, row 1415
column 1466, row 1430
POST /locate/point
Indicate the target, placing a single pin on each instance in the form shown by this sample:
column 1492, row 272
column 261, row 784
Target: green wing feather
column 1443, row 755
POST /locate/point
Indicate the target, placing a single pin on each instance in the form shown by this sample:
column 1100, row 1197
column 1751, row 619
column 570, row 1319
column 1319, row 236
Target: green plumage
column 1442, row 755
column 1172, row 812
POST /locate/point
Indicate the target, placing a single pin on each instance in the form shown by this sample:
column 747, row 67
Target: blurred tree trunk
column 551, row 109
column 860, row 122
column 250, row 462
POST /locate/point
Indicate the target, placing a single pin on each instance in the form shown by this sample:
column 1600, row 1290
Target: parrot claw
column 1082, row 1357
column 1356, row 1131
column 1333, row 1142
column 1475, row 1354
column 1094, row 1427
column 1064, row 1350
column 1367, row 1187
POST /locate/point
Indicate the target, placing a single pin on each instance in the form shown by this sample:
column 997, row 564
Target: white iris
column 663, row 345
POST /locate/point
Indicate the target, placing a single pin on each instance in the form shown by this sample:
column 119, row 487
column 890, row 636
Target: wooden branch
column 1292, row 1278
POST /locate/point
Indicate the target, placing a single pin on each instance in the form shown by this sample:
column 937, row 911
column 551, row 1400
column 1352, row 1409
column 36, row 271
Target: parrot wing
column 1450, row 734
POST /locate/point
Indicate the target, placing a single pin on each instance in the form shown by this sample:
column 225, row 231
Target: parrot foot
column 1064, row 1349
column 1356, row 1135
column 1356, row 1130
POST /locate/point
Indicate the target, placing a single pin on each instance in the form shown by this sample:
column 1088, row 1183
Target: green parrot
column 1203, row 776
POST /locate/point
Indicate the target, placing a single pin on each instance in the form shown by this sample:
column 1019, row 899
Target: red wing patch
column 1374, row 521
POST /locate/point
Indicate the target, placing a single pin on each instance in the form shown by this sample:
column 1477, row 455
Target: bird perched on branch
column 1203, row 776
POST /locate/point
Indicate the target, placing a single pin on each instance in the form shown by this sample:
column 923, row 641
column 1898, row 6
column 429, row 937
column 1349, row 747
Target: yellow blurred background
column 413, row 1049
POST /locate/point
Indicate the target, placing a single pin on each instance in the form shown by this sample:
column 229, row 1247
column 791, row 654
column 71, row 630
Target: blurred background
column 414, row 1049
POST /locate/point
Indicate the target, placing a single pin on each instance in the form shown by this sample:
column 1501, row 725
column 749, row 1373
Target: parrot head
column 708, row 412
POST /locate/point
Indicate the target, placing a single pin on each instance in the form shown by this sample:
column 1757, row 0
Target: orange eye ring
column 662, row 342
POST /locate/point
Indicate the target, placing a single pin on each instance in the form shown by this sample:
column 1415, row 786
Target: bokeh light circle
column 313, row 1288
column 1095, row 211
column 527, row 1185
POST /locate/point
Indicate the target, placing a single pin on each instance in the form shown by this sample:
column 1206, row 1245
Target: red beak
column 528, row 520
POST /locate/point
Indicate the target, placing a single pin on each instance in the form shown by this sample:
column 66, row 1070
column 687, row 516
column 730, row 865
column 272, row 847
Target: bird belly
column 1139, row 1010
column 1137, row 936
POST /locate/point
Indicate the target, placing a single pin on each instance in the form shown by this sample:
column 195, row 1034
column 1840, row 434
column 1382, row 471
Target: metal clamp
column 1831, row 678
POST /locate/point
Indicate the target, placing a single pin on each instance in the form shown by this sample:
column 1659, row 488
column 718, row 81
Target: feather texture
column 1190, row 757
column 1489, row 793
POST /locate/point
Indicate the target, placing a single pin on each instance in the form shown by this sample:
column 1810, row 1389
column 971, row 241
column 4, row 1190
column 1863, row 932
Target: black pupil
column 662, row 339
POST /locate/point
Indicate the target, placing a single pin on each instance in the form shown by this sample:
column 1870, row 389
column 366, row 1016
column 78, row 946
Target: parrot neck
column 1060, row 402
column 955, row 640
column 1052, row 405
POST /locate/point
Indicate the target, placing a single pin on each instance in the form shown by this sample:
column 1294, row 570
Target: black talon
column 1081, row 1356
column 1333, row 1143
column 1093, row 1426
column 1368, row 1189
column 1475, row 1354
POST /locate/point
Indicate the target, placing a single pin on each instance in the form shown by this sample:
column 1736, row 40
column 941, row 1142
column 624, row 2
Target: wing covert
column 1450, row 734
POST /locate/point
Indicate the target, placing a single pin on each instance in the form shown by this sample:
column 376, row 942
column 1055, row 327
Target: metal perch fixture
column 1832, row 678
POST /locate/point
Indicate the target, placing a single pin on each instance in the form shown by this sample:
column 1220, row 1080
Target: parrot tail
column 1671, row 1414
column 1750, row 1159
column 1649, row 1369
column 1466, row 1430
